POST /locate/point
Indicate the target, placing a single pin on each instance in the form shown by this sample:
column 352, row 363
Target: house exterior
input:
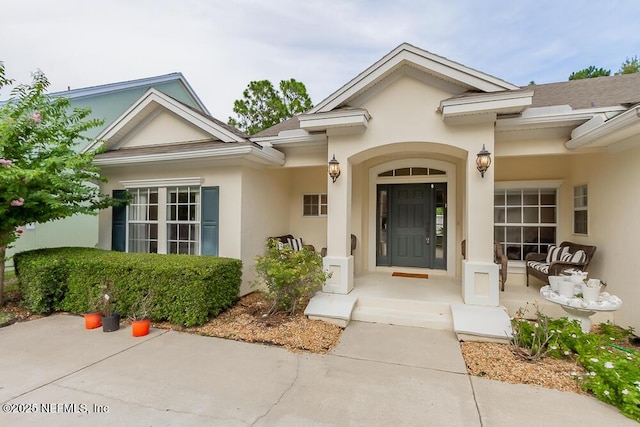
column 107, row 102
column 406, row 133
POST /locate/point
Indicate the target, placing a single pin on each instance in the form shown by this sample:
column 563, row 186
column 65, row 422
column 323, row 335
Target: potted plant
column 110, row 321
column 93, row 317
column 140, row 322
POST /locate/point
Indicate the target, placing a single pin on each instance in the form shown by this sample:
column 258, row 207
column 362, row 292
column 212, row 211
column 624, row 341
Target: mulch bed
column 246, row 321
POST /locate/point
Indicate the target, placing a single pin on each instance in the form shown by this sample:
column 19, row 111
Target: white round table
column 579, row 309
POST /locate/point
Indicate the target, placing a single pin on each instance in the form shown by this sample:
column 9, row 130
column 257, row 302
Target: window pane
column 514, row 252
column 547, row 235
column 580, row 222
column 403, row 172
column 514, row 234
column 419, row 171
column 183, row 213
column 547, row 197
column 530, row 197
column 530, row 215
column 547, row 215
column 498, row 234
column 514, row 215
column 498, row 215
column 387, row 173
column 153, row 213
column 499, row 198
column 436, row 172
column 514, row 198
column 530, row 234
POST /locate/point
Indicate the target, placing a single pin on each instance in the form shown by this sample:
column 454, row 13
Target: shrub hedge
column 181, row 289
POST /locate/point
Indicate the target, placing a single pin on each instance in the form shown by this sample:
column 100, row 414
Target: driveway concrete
column 54, row 372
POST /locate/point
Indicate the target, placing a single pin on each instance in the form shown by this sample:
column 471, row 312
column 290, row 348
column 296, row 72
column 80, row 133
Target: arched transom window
column 412, row 172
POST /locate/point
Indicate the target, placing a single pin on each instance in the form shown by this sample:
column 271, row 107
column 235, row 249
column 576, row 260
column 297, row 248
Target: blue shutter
column 119, row 223
column 210, row 215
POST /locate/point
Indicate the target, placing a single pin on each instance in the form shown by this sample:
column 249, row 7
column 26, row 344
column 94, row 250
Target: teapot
column 578, row 276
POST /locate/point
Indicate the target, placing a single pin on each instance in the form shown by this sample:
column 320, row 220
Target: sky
column 221, row 46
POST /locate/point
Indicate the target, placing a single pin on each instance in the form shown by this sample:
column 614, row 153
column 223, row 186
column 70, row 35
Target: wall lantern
column 483, row 161
column 334, row 168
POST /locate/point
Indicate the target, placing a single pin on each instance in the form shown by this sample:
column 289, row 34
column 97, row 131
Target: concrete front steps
column 402, row 312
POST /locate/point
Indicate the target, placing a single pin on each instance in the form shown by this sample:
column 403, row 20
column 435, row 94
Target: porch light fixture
column 334, row 168
column 483, row 161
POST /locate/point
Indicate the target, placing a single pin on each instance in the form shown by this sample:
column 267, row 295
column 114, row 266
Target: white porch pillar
column 480, row 284
column 339, row 260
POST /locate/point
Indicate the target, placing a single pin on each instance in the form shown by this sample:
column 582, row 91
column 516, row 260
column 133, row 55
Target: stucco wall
column 229, row 179
column 166, row 128
column 265, row 213
column 312, row 180
column 614, row 209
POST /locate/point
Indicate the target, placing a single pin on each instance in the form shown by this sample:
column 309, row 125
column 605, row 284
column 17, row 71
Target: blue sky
column 220, row 46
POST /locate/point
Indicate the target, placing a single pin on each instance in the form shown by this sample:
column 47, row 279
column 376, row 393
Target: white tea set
column 576, row 283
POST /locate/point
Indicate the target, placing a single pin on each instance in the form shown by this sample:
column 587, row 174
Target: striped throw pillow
column 556, row 252
column 296, row 244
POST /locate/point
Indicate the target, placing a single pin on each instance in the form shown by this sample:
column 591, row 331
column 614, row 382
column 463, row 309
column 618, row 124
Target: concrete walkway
column 54, row 372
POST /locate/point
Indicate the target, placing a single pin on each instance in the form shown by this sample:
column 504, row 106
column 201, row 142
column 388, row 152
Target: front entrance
column 411, row 225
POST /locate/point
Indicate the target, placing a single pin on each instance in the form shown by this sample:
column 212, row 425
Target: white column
column 480, row 283
column 339, row 260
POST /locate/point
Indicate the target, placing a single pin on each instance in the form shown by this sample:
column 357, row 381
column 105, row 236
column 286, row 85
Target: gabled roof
column 407, row 54
column 130, row 84
column 223, row 141
column 150, row 102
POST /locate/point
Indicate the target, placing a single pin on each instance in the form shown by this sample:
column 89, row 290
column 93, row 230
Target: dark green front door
column 412, row 225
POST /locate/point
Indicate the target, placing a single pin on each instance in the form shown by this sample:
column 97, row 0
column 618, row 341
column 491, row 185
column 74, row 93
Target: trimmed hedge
column 183, row 289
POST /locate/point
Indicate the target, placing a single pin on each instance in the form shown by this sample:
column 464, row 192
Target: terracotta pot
column 111, row 323
column 140, row 328
column 92, row 320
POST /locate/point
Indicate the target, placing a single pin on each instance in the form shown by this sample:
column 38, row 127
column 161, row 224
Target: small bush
column 613, row 371
column 185, row 289
column 291, row 276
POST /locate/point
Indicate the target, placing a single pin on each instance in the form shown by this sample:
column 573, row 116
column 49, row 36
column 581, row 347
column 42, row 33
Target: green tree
column 629, row 66
column 263, row 105
column 589, row 72
column 42, row 178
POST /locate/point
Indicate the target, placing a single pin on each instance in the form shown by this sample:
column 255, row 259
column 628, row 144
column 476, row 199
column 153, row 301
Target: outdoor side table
column 579, row 309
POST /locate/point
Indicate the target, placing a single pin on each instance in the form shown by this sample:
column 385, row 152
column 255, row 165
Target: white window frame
column 583, row 208
column 143, row 214
column 193, row 240
column 319, row 205
column 162, row 185
column 518, row 266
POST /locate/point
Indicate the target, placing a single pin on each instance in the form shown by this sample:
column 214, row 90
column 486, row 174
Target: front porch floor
column 379, row 297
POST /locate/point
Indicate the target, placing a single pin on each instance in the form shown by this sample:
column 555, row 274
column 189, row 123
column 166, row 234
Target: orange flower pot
column 92, row 320
column 140, row 328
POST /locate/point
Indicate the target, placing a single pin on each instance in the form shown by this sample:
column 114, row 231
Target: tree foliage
column 263, row 106
column 589, row 72
column 629, row 66
column 42, row 177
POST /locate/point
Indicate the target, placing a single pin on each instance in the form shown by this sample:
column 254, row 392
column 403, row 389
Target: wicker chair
column 498, row 257
column 537, row 265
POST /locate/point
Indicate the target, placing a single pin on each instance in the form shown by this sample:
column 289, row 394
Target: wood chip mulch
column 245, row 321
column 498, row 362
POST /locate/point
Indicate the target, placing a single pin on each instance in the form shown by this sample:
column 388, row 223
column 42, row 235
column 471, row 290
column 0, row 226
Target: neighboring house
column 107, row 102
column 406, row 132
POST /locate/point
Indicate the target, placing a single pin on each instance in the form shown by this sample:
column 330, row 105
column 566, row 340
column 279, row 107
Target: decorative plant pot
column 111, row 323
column 140, row 328
column 92, row 320
column 554, row 281
column 590, row 293
column 566, row 288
